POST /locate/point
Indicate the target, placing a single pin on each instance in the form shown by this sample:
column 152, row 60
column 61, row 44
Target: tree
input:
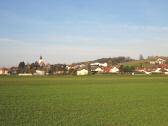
column 21, row 67
column 52, row 70
column 32, row 68
column 121, row 68
column 141, row 65
column 89, row 68
column 36, row 65
column 27, row 68
column 128, row 69
column 109, row 62
column 72, row 71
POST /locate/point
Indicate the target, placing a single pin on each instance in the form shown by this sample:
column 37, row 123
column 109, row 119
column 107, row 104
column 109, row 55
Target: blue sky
column 66, row 31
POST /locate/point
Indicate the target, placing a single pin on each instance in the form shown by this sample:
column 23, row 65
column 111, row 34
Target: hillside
column 126, row 61
column 145, row 62
column 110, row 61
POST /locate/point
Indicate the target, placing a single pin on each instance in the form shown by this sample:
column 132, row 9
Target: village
column 152, row 65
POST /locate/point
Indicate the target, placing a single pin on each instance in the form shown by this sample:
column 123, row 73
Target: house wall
column 38, row 72
column 114, row 70
column 24, row 74
column 82, row 72
column 166, row 73
column 99, row 70
column 3, row 72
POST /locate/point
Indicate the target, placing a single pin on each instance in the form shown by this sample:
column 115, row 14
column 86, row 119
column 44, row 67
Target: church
column 41, row 61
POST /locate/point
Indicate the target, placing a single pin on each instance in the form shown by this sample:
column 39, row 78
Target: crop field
column 101, row 100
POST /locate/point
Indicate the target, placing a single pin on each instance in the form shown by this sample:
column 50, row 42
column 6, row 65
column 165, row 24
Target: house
column 165, row 66
column 158, row 61
column 161, row 61
column 99, row 70
column 73, row 66
column 152, row 62
column 114, row 70
column 111, row 70
column 68, row 67
column 99, row 64
column 13, row 70
column 82, row 72
column 4, row 71
column 40, row 73
column 59, row 72
column 144, row 71
column 166, row 73
column 148, row 73
column 82, row 65
column 96, row 69
column 166, row 69
column 158, row 70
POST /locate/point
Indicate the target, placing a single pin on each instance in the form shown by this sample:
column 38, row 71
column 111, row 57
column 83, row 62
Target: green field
column 103, row 100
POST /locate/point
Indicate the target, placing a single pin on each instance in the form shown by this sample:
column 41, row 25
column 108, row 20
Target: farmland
column 100, row 100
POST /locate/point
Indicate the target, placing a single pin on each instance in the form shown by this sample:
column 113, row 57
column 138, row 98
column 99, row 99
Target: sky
column 68, row 31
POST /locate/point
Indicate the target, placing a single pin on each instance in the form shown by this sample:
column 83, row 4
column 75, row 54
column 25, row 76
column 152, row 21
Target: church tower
column 41, row 61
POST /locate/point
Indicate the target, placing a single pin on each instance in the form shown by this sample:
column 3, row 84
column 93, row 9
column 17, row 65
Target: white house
column 158, row 70
column 114, row 70
column 4, row 71
column 99, row 70
column 82, row 72
column 161, row 61
column 166, row 69
column 158, row 61
column 152, row 62
column 148, row 73
column 166, row 73
column 39, row 72
column 144, row 71
column 96, row 69
column 99, row 64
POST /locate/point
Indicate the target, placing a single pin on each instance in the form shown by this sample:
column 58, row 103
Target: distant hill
column 125, row 61
column 145, row 62
column 136, row 63
column 115, row 60
column 110, row 61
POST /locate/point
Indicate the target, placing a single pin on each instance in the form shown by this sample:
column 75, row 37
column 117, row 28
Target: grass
column 138, row 63
column 102, row 100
